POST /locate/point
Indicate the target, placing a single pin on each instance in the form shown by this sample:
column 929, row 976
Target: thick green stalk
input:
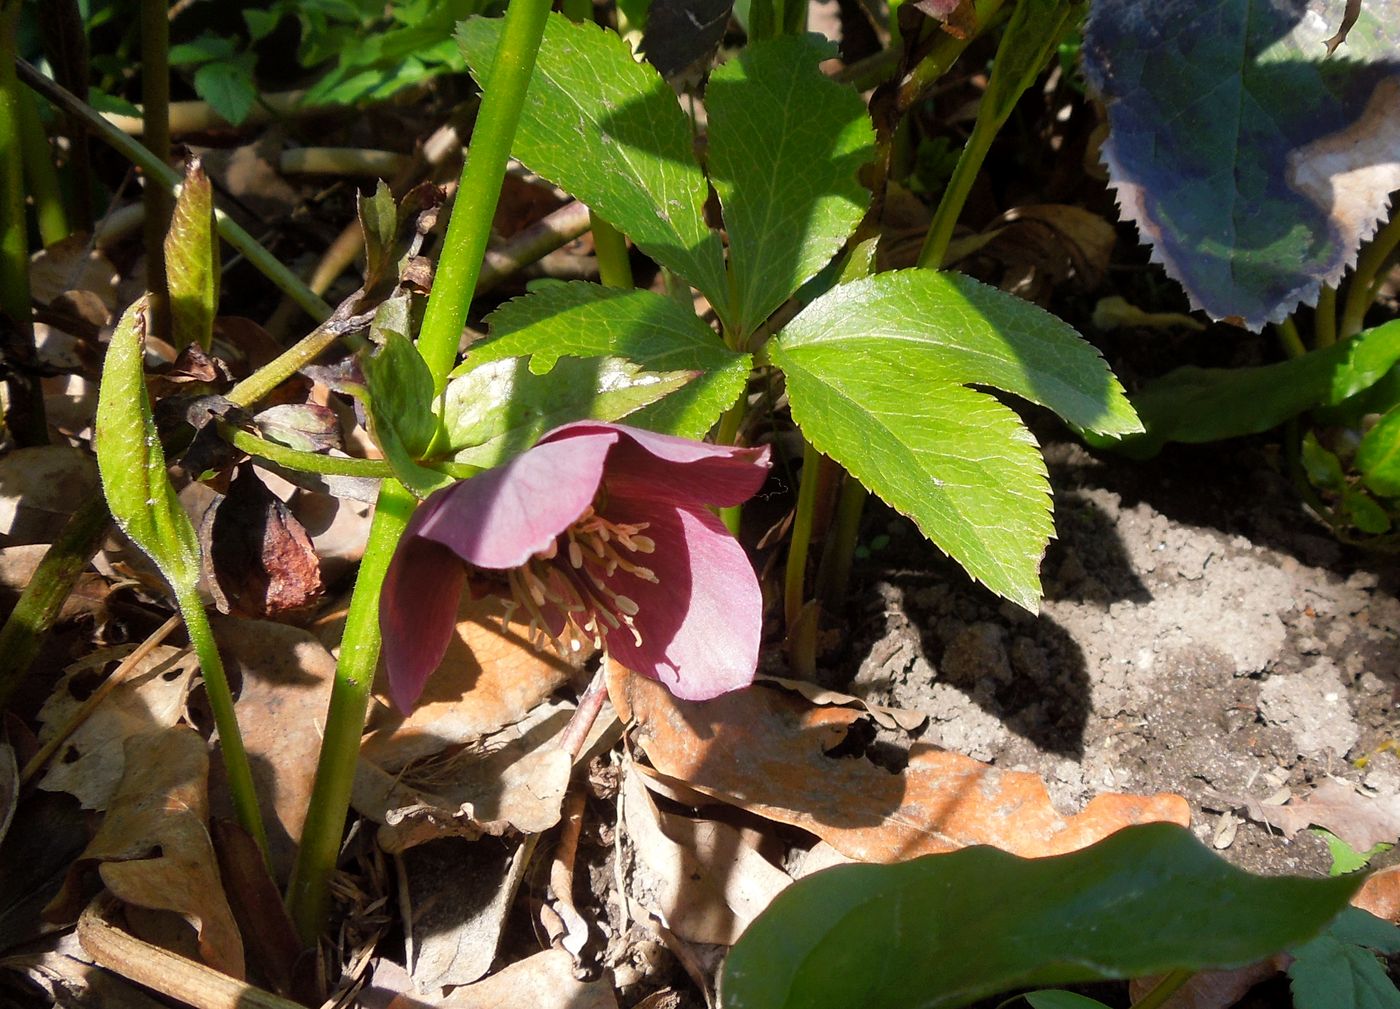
column 155, row 96
column 459, row 266
column 1288, row 336
column 929, row 70
column 306, row 462
column 40, row 173
column 25, row 416
column 157, row 171
column 308, row 897
column 1362, row 290
column 834, row 574
column 42, row 600
column 1325, row 318
column 211, row 667
column 1031, row 34
column 726, row 434
column 800, row 541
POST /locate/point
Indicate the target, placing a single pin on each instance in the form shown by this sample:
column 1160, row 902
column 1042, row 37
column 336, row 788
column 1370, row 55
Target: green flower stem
column 158, row 172
column 1325, row 318
column 726, row 434
column 834, row 574
column 1025, row 45
column 42, row 600
column 211, row 667
column 155, row 96
column 40, row 174
column 306, row 462
column 283, row 366
column 459, row 266
column 795, row 574
column 1365, row 282
column 1164, row 989
column 25, row 413
column 1288, row 336
column 929, row 70
column 308, row 896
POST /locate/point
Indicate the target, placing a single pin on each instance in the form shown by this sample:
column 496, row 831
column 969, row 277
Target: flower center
column 572, row 577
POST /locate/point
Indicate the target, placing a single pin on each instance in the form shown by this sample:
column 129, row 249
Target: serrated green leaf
column 1362, row 928
column 1329, row 974
column 944, row 930
column 610, row 131
column 227, row 85
column 1378, row 456
column 1195, row 405
column 192, row 261
column 1235, row 141
column 501, row 408
column 652, row 331
column 401, row 419
column 1345, row 858
column 877, row 374
column 786, row 144
column 132, row 462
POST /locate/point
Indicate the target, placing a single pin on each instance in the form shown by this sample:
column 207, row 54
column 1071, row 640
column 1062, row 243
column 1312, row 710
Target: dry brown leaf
column 888, row 718
column 1214, row 989
column 768, row 752
column 707, row 883
column 153, row 849
column 89, row 765
column 71, row 265
column 487, row 680
column 1380, row 895
column 1362, row 821
column 544, row 979
column 40, row 487
column 287, row 677
column 516, row 780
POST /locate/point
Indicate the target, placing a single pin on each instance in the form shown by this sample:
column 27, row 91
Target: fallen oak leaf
column 769, row 753
column 1380, row 895
column 153, row 849
column 1361, row 821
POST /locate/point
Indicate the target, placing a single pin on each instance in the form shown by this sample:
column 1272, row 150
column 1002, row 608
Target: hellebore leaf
column 1195, row 405
column 1378, row 456
column 400, row 409
column 786, row 143
column 1254, row 163
column 610, row 131
column 654, row 332
column 500, row 408
column 132, row 462
column 945, row 930
column 878, row 373
column 192, row 261
column 1337, row 970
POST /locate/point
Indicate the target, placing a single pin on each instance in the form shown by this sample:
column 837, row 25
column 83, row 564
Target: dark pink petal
column 418, row 614
column 700, row 623
column 646, row 464
column 499, row 518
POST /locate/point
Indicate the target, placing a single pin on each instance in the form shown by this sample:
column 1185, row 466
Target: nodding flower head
column 601, row 536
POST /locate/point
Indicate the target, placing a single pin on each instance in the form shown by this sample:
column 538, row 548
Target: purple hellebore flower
column 601, row 535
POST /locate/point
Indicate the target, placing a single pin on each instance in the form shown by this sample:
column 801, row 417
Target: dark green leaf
column 400, row 408
column 878, row 373
column 132, row 463
column 1254, row 163
column 1362, row 928
column 379, row 221
column 652, row 331
column 1323, row 467
column 1027, row 42
column 1061, row 1000
column 501, row 408
column 944, row 930
column 192, row 261
column 227, row 85
column 1196, row 405
column 786, row 144
column 1363, row 511
column 610, row 131
column 201, row 50
column 1330, row 974
column 1378, row 457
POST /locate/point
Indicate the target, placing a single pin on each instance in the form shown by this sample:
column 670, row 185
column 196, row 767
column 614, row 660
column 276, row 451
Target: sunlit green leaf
column 192, row 261
column 1378, row 456
column 400, row 408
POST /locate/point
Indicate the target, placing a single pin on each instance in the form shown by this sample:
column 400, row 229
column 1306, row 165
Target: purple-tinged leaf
column 1253, row 163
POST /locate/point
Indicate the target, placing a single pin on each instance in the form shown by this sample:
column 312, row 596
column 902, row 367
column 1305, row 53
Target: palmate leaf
column 610, row 131
column 786, row 143
column 878, row 373
column 944, row 930
column 1254, row 163
column 652, row 331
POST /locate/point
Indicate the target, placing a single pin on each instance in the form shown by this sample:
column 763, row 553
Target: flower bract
column 600, row 536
